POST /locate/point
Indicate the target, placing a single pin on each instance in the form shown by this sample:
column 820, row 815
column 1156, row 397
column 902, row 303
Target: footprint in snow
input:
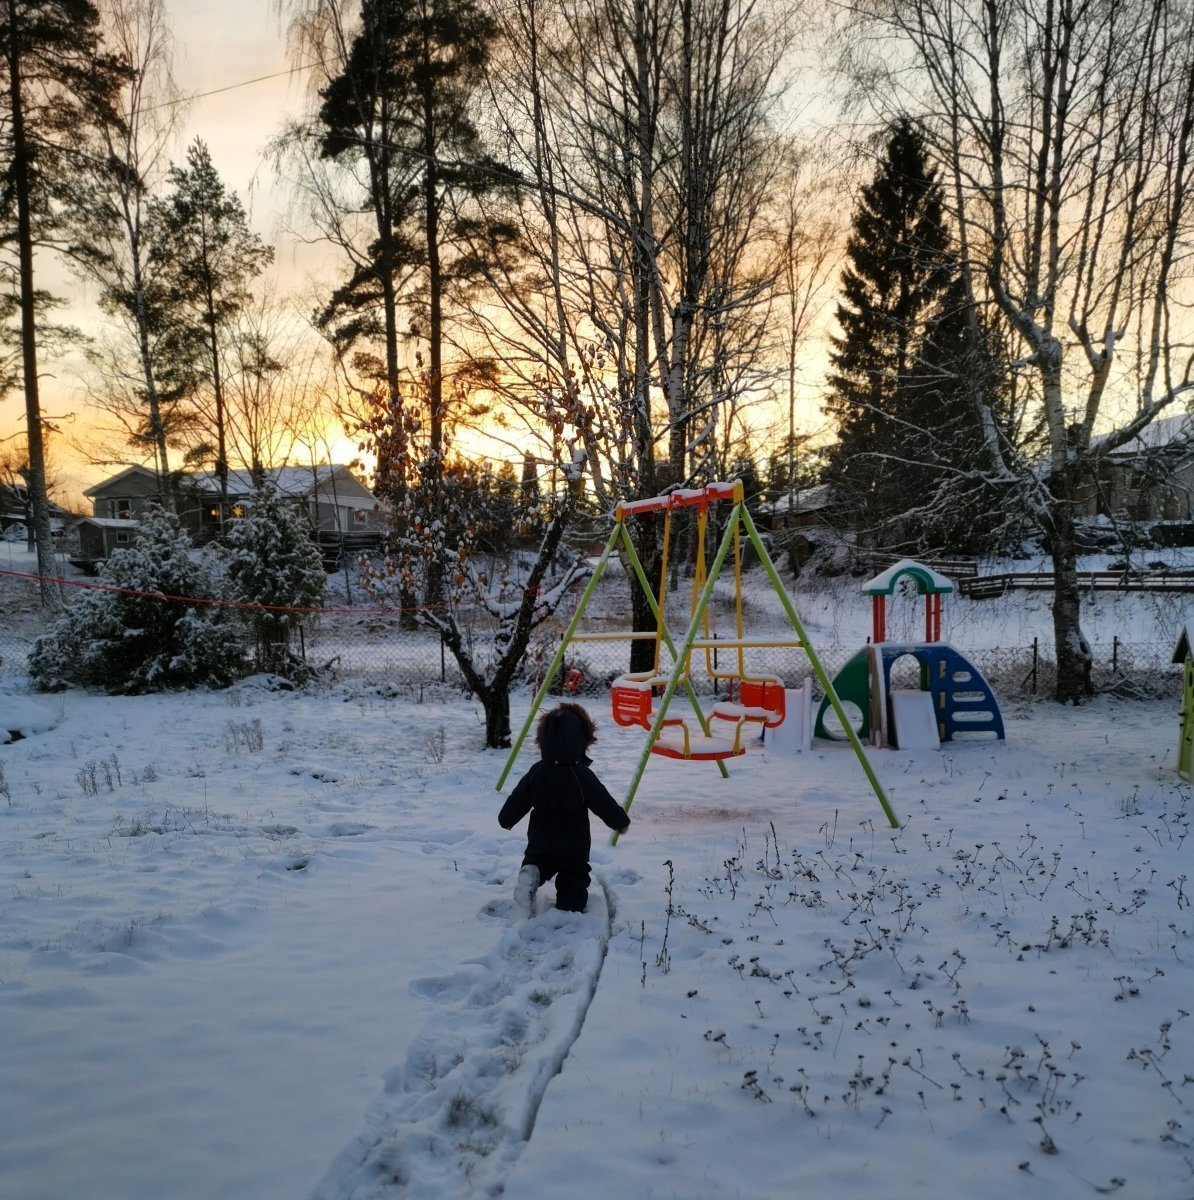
column 456, row 1114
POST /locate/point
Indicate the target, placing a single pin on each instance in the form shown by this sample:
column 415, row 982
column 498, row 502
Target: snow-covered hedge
column 137, row 632
column 272, row 561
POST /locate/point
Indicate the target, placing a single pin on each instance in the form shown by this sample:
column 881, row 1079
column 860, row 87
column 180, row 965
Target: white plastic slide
column 914, row 723
column 795, row 734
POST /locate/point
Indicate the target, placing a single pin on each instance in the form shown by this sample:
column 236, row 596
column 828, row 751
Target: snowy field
column 260, row 945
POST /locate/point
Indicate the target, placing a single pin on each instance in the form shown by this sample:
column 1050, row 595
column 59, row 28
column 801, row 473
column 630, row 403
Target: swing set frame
column 740, row 522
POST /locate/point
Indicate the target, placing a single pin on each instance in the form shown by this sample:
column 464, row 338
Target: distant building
column 331, row 498
column 94, row 539
column 797, row 510
column 16, row 515
column 1150, row 478
column 341, row 511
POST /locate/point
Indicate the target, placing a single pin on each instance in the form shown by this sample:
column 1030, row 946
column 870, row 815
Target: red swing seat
column 632, row 703
column 760, row 701
column 631, row 700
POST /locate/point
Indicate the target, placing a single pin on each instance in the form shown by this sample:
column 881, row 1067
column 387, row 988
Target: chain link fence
column 1133, row 670
column 371, row 646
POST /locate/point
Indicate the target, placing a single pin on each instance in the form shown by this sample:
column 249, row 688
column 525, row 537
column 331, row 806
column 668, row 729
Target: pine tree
column 206, row 256
column 403, row 108
column 58, row 82
column 895, row 417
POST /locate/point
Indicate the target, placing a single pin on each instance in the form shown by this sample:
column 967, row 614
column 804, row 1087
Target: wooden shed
column 97, row 538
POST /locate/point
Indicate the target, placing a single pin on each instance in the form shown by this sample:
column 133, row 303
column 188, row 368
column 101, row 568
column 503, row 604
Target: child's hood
column 564, row 739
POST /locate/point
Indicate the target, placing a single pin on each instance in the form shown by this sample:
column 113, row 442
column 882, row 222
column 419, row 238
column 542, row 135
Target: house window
column 360, row 516
column 238, row 510
column 122, row 537
column 213, row 513
column 121, row 510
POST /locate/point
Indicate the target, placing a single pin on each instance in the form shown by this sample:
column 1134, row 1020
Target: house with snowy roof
column 341, row 511
column 798, row 509
column 1150, row 477
column 16, row 512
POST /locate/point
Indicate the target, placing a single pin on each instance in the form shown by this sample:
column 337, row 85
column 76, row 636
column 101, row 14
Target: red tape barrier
column 214, row 603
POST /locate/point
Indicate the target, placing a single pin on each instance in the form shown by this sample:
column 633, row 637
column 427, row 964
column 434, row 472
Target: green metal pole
column 558, row 657
column 694, row 626
column 818, row 669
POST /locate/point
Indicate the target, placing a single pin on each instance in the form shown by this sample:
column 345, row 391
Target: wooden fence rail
column 983, row 587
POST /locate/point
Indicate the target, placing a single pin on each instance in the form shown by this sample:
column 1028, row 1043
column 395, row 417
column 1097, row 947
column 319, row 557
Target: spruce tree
column 958, row 508
column 893, row 398
column 151, row 627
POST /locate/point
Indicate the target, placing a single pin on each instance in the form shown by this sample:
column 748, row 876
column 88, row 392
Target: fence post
column 1036, row 651
column 443, row 661
column 1115, row 654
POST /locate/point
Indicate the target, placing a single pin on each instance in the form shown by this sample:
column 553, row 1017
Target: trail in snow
column 456, row 1115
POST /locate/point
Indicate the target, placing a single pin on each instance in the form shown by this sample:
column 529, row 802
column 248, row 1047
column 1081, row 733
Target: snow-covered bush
column 273, row 561
column 137, row 632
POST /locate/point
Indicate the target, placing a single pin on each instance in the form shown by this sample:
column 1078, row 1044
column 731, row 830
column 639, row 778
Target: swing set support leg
column 822, row 678
column 557, row 658
column 690, row 636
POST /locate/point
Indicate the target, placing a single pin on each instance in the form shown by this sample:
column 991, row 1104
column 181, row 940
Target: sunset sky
column 231, row 56
column 223, row 44
column 219, row 44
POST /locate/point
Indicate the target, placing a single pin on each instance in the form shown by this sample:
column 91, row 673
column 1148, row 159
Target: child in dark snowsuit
column 559, row 792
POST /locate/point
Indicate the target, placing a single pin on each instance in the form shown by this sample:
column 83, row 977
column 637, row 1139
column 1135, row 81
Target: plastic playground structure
column 953, row 696
column 643, row 699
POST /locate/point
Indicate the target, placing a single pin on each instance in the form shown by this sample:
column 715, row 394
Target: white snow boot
column 525, row 888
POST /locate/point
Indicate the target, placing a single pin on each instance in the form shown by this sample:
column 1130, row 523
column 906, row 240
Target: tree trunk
column 497, row 717
column 218, row 387
column 35, row 477
column 1073, row 650
column 512, row 636
column 157, row 427
column 161, row 450
column 435, row 337
column 393, row 464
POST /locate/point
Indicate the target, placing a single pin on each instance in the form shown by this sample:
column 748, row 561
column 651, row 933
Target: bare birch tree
column 642, row 131
column 1064, row 129
column 653, row 125
column 277, row 376
column 805, row 237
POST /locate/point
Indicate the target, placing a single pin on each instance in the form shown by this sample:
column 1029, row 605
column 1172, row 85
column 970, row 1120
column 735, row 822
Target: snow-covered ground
column 259, row 945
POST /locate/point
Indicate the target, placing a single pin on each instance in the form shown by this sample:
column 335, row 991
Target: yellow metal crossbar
column 743, row 644
column 628, row 635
